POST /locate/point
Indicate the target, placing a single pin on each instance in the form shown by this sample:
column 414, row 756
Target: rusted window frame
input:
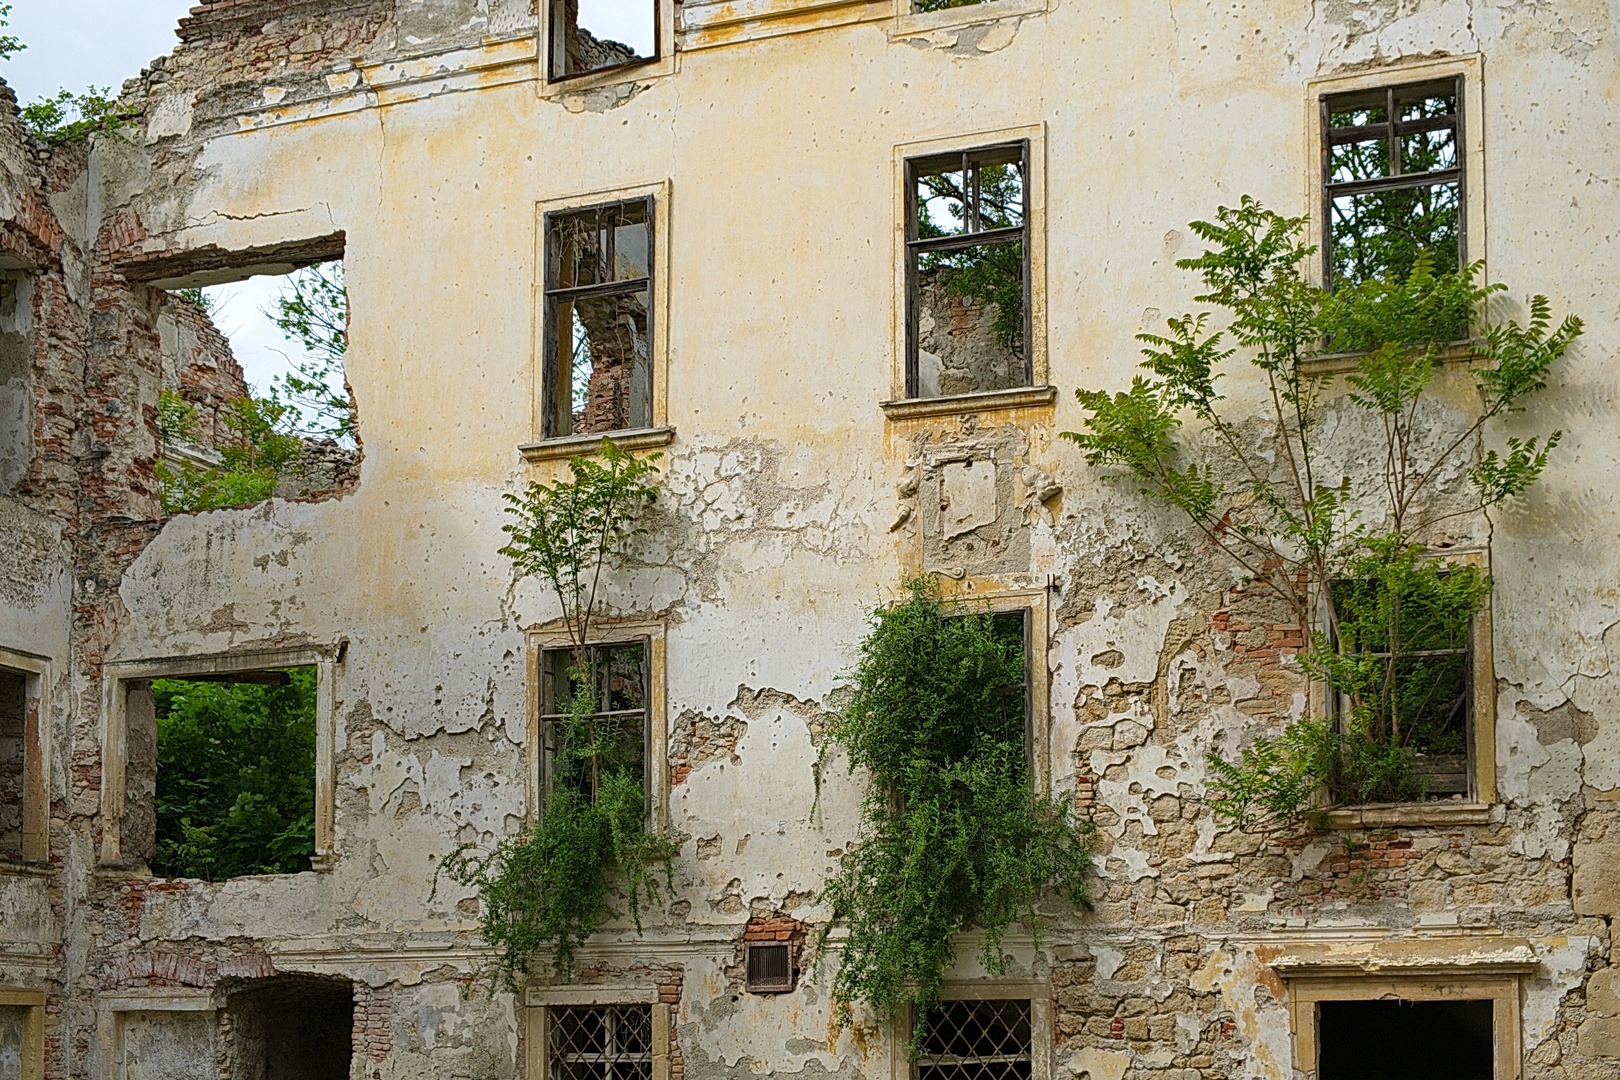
column 557, row 35
column 548, row 700
column 917, row 246
column 1390, row 132
column 554, row 295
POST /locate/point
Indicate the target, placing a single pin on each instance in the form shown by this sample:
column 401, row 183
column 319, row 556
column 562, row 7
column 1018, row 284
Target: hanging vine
column 953, row 835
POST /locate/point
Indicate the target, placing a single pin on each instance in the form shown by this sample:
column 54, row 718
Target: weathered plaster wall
column 415, row 129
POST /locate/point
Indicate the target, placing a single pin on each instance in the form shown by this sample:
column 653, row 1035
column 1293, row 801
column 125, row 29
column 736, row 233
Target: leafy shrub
column 236, row 777
column 953, row 835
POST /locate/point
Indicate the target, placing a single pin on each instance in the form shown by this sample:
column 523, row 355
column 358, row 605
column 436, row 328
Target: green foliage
column 989, row 273
column 258, row 452
column 199, row 298
column 236, row 777
column 10, row 44
column 67, row 117
column 953, row 836
column 313, row 312
column 1343, row 552
column 565, row 532
column 549, row 885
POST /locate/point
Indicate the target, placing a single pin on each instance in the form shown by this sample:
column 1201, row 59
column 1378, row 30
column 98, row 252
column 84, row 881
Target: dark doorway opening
column 1406, row 1040
column 292, row 1027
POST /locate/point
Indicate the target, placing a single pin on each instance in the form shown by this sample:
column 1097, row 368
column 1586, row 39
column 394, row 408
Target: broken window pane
column 235, row 774
column 1405, row 1040
column 967, row 267
column 977, row 1040
column 1394, row 184
column 598, row 374
column 614, row 720
column 600, row 1043
column 596, row 35
column 13, row 734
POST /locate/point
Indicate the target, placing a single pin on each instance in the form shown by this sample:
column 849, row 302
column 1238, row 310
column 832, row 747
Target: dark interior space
column 292, row 1027
column 1405, row 1040
column 13, row 706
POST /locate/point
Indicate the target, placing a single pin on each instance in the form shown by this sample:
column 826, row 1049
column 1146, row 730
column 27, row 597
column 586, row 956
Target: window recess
column 967, row 256
column 597, row 374
column 1393, row 180
column 619, row 677
column 769, row 967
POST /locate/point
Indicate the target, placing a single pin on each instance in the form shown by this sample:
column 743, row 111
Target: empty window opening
column 600, row 1043
column 967, row 271
column 1004, row 712
column 1393, row 180
column 977, row 1040
column 1417, row 695
column 599, row 35
column 616, row 680
column 291, row 1027
column 235, row 773
column 255, row 399
column 598, row 346
column 770, row 967
column 13, row 758
column 1405, row 1040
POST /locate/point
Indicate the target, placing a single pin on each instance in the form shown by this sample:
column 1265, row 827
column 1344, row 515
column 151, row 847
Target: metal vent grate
column 601, row 1043
column 770, row 967
column 976, row 1040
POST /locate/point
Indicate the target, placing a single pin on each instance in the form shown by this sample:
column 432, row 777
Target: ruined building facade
column 832, row 422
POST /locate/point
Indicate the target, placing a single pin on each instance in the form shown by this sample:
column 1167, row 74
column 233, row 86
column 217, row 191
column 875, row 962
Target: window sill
column 1456, row 352
column 1025, row 397
column 583, row 445
column 1435, row 813
column 12, row 868
column 917, row 23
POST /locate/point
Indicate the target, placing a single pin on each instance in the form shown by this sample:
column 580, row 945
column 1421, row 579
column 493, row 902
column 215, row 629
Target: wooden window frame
column 546, row 447
column 36, row 802
column 1037, row 394
column 1475, row 808
column 115, row 685
column 555, row 636
column 545, row 780
column 1469, row 69
column 917, row 247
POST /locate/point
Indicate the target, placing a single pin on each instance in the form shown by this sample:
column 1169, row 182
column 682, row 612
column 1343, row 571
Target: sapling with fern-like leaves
column 1346, row 541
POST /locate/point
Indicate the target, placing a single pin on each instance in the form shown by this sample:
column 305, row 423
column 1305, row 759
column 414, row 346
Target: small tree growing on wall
column 549, row 884
column 1346, row 551
column 953, row 835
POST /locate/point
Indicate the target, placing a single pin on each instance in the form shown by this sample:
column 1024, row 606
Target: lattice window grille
column 977, row 1040
column 601, row 1043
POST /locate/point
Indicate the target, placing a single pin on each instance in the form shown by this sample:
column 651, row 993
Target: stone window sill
column 583, row 445
column 1435, row 813
column 1024, row 397
column 910, row 23
column 13, row 868
column 1456, row 352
